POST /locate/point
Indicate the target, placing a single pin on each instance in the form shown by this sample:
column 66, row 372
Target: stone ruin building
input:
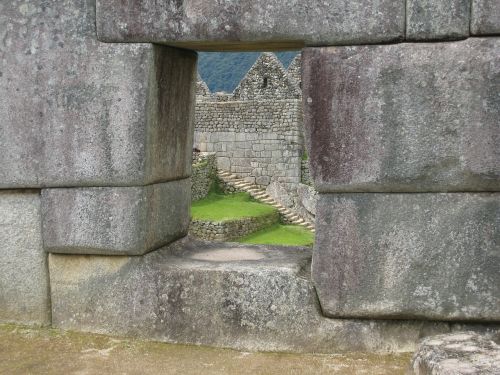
column 257, row 132
column 401, row 118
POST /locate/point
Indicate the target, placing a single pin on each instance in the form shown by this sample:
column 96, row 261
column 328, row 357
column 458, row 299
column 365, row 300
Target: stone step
column 260, row 195
column 267, row 198
column 267, row 201
column 253, row 190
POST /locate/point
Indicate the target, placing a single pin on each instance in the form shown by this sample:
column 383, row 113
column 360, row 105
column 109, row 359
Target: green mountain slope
column 222, row 71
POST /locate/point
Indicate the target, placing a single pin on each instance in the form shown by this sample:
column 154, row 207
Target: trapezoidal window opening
column 265, row 82
column 250, row 169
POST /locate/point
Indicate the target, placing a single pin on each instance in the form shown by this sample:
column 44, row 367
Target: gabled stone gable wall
column 266, row 80
column 202, row 91
column 294, row 70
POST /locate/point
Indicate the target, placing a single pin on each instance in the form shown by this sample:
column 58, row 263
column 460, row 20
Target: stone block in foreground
column 485, row 17
column 251, row 25
column 115, row 220
column 437, row 20
column 460, row 353
column 406, row 256
column 78, row 112
column 24, row 278
column 413, row 117
column 228, row 295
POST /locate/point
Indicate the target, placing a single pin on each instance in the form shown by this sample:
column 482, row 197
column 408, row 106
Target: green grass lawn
column 291, row 235
column 218, row 207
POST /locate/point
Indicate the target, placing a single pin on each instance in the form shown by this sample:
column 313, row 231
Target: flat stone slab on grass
column 410, row 117
column 408, row 256
column 247, row 297
column 460, row 353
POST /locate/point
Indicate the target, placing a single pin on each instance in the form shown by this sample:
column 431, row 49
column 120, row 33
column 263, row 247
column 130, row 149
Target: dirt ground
column 26, row 350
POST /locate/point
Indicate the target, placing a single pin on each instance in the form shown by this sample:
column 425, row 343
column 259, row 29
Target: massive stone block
column 77, row 112
column 460, row 353
column 404, row 117
column 485, row 17
column 230, row 295
column 425, row 256
column 24, row 279
column 251, row 25
column 437, row 20
column 115, row 220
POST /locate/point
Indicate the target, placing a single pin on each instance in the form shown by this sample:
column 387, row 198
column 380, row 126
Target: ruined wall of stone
column 267, row 80
column 305, row 173
column 202, row 176
column 294, row 70
column 231, row 229
column 257, row 140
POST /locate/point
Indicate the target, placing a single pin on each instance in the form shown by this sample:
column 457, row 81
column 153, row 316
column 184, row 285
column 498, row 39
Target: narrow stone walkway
column 287, row 215
column 45, row 351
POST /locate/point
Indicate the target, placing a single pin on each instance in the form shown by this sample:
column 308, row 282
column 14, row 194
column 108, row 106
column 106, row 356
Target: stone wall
column 203, row 175
column 407, row 222
column 267, row 80
column 305, row 175
column 231, row 229
column 96, row 146
column 257, row 140
column 256, row 131
column 402, row 138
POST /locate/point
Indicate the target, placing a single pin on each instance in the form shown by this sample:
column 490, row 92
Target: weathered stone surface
column 307, row 198
column 437, row 20
column 460, row 353
column 404, row 117
column 115, row 220
column 255, row 25
column 24, row 290
column 228, row 295
column 280, row 194
column 77, row 112
column 431, row 256
column 485, row 17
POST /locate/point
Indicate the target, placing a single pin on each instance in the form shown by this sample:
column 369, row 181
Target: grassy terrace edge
column 218, row 207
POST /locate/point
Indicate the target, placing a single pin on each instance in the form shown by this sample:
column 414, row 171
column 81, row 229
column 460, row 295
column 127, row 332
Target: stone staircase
column 259, row 194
